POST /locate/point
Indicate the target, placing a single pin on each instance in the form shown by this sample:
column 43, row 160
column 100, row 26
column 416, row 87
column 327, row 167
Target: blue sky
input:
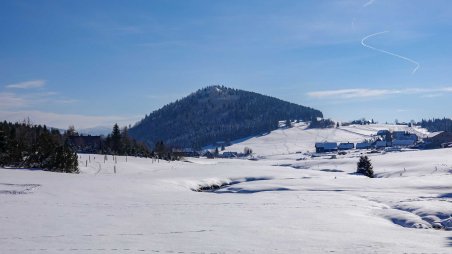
column 91, row 63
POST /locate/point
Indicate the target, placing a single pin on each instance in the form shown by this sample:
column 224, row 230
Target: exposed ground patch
column 212, row 186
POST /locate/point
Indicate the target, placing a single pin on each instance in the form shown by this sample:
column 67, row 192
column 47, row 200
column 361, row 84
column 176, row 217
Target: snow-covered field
column 283, row 203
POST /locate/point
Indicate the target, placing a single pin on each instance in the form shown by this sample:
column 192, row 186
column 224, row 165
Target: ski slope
column 279, row 204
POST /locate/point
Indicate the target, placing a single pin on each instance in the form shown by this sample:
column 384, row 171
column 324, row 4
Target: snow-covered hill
column 299, row 138
column 216, row 113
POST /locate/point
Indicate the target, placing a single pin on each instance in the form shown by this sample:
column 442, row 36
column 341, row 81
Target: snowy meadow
column 282, row 202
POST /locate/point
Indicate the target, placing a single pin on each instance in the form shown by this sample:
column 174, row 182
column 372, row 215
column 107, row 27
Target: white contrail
column 369, row 3
column 387, row 52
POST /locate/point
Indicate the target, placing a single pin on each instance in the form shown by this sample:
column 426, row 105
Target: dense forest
column 24, row 145
column 217, row 113
column 118, row 142
column 434, row 125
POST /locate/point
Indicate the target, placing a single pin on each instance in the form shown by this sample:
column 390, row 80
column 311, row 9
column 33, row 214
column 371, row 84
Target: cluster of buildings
column 189, row 152
column 386, row 139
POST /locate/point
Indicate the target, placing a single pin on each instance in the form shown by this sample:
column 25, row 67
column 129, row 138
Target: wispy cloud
column 64, row 120
column 357, row 93
column 432, row 95
column 27, row 84
column 11, row 100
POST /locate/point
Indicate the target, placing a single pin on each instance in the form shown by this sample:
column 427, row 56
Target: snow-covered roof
column 363, row 145
column 346, row 145
column 382, row 132
column 434, row 134
column 381, row 143
column 403, row 142
column 326, row 145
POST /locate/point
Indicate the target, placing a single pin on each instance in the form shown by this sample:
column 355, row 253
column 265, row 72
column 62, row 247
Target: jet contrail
column 387, row 52
column 369, row 3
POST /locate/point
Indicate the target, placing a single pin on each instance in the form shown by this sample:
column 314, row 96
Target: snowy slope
column 301, row 139
column 274, row 205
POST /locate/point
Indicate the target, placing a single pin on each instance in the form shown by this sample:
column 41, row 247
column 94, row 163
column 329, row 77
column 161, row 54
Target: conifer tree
column 288, row 123
column 125, row 141
column 160, row 149
column 3, row 148
column 71, row 131
column 364, row 167
column 116, row 139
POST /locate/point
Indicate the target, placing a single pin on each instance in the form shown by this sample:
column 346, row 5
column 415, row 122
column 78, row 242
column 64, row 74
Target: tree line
column 119, row 142
column 25, row 145
column 436, row 124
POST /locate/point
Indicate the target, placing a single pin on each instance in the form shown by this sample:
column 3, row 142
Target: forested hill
column 217, row 113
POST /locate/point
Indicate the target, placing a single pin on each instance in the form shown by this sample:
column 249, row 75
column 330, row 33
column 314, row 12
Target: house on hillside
column 324, row 147
column 208, row 154
column 230, row 155
column 441, row 140
column 383, row 133
column 346, row 146
column 403, row 142
column 86, row 144
column 381, row 144
column 363, row 145
column 186, row 152
column 404, row 135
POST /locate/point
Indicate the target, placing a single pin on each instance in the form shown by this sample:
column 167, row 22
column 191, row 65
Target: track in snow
column 14, row 189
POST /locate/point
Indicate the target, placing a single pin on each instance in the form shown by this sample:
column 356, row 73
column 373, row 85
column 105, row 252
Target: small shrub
column 247, row 151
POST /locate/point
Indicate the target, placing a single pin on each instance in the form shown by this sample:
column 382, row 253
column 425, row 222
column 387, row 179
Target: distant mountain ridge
column 217, row 113
column 96, row 131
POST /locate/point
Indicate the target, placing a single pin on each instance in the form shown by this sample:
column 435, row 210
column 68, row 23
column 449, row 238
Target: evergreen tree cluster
column 216, row 113
column 322, row 123
column 362, row 121
column 434, row 125
column 25, row 145
column 162, row 151
column 119, row 142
